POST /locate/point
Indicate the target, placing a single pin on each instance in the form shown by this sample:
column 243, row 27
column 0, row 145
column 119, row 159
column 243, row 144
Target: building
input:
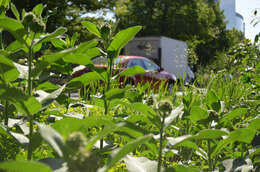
column 234, row 19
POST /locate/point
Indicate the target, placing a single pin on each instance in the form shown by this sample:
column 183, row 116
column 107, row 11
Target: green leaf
column 213, row 101
column 15, row 11
column 16, row 46
column 209, row 134
column 182, row 168
column 22, row 166
column 68, row 125
column 47, row 86
column 8, row 71
column 53, row 138
column 58, row 43
column 245, row 135
column 115, row 93
column 85, row 79
column 23, row 103
column 14, row 27
column 197, row 114
column 3, row 6
column 192, row 145
column 122, row 38
column 235, row 113
column 49, row 37
column 37, row 10
column 131, row 72
column 108, row 129
column 92, row 28
column 84, row 58
column 119, row 153
column 254, row 124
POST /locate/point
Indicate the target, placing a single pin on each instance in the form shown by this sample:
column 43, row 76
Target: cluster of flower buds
column 33, row 23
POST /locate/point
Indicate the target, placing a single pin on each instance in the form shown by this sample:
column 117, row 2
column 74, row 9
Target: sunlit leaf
column 23, row 103
column 197, row 114
column 15, row 11
column 122, row 38
column 22, row 166
column 182, row 168
column 210, row 134
column 92, row 28
column 131, row 72
column 8, row 71
column 14, row 27
column 235, row 113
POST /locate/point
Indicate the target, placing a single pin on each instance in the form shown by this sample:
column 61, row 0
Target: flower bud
column 34, row 23
column 165, row 107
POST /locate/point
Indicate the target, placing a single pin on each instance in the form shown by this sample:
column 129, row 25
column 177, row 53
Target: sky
column 246, row 9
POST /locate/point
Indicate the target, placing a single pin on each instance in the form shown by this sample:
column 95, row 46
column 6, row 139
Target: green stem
column 209, row 156
column 1, row 40
column 6, row 113
column 30, row 116
column 161, row 146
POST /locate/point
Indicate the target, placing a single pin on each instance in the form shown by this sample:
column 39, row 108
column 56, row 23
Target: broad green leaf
column 108, row 129
column 119, row 153
column 74, row 39
column 83, row 58
column 53, row 138
column 22, row 166
column 221, row 145
column 15, row 11
column 182, row 168
column 92, row 28
column 131, row 72
column 8, row 71
column 197, row 114
column 68, row 125
column 192, row 145
column 14, row 27
column 130, row 130
column 37, row 10
column 16, row 46
column 58, row 43
column 235, row 113
column 213, row 101
column 245, row 135
column 254, row 124
column 23, row 103
column 209, row 134
column 47, row 86
column 85, row 79
column 49, row 37
column 140, row 164
column 122, row 38
column 115, row 93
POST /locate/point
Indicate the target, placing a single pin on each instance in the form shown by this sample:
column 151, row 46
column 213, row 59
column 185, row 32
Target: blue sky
column 246, row 9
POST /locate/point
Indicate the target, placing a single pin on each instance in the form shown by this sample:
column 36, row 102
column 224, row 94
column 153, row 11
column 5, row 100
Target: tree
column 199, row 22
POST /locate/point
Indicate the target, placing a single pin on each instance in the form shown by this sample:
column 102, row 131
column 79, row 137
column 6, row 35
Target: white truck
column 170, row 54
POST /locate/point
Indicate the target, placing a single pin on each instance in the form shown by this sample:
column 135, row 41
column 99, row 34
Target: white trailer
column 170, row 54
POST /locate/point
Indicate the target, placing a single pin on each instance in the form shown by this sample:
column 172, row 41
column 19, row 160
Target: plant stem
column 161, row 146
column 209, row 157
column 30, row 116
column 6, row 113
